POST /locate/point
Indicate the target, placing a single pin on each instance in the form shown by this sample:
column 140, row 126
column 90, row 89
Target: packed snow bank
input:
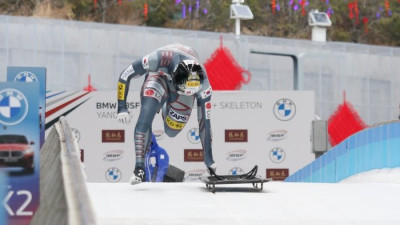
column 385, row 175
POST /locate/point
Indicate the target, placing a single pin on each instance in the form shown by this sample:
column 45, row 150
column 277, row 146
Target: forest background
column 375, row 22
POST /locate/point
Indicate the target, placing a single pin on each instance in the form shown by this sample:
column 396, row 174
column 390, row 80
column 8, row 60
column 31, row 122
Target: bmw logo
column 113, row 174
column 236, row 171
column 284, row 109
column 26, row 77
column 13, row 106
column 193, row 135
column 277, row 155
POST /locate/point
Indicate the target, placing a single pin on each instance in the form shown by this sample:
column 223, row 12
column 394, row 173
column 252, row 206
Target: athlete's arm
column 138, row 68
column 204, row 105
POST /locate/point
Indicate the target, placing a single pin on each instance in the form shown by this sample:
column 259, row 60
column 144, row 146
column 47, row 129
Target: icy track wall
column 64, row 198
column 372, row 148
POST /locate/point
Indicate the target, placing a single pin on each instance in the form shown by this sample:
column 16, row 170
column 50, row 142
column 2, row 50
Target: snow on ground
column 368, row 198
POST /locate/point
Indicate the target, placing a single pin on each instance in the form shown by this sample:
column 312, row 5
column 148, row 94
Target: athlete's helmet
column 188, row 77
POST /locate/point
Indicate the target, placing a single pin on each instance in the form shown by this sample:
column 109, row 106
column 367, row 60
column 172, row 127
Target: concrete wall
column 71, row 50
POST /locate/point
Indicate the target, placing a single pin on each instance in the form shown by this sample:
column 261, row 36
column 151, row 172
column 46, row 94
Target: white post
column 237, row 28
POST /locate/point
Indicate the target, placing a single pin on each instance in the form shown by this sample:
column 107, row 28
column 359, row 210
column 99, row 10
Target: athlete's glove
column 124, row 117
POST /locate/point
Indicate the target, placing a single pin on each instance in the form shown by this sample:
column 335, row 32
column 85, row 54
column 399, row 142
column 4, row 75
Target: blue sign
column 19, row 150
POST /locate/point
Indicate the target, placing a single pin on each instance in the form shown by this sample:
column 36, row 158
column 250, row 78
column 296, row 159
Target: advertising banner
column 19, row 149
column 32, row 75
column 270, row 129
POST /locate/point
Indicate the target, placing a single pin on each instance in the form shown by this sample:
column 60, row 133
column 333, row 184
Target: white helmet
column 188, row 77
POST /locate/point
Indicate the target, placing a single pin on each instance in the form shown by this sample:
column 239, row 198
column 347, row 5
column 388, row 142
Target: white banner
column 270, row 129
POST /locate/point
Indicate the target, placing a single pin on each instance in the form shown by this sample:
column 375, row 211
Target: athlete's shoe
column 212, row 168
column 137, row 176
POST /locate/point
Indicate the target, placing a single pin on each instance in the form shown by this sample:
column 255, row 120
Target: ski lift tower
column 319, row 21
column 240, row 12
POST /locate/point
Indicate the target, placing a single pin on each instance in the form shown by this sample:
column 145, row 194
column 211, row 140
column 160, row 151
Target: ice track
column 279, row 203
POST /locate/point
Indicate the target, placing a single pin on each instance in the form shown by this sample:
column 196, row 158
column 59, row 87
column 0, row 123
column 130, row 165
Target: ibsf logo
column 193, row 135
column 113, row 155
column 26, row 76
column 236, row 155
column 13, row 106
column 284, row 109
column 277, row 155
column 113, row 174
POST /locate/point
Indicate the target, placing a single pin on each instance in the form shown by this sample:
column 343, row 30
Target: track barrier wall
column 64, row 197
column 372, row 148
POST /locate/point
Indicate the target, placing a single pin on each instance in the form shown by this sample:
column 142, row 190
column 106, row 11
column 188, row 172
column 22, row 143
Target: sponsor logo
column 159, row 134
column 277, row 155
column 277, row 135
column 236, row 135
column 194, row 175
column 236, row 155
column 240, row 105
column 113, row 155
column 277, row 174
column 193, row 135
column 148, row 92
column 236, row 171
column 113, row 136
column 193, row 83
column 284, row 109
column 13, row 106
column 208, row 107
column 206, row 93
column 156, row 86
column 76, row 134
column 173, row 124
column 114, row 105
column 26, row 76
column 113, row 174
column 128, row 71
column 145, row 62
column 178, row 117
column 121, row 91
column 193, row 155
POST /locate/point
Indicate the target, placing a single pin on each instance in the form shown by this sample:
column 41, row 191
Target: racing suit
column 158, row 92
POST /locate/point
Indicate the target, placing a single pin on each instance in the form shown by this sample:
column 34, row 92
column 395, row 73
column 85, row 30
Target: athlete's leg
column 176, row 113
column 142, row 135
column 153, row 95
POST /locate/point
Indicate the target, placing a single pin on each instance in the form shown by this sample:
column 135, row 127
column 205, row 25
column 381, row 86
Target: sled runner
column 249, row 177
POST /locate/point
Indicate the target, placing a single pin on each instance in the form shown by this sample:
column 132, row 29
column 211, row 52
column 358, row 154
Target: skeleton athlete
column 174, row 78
